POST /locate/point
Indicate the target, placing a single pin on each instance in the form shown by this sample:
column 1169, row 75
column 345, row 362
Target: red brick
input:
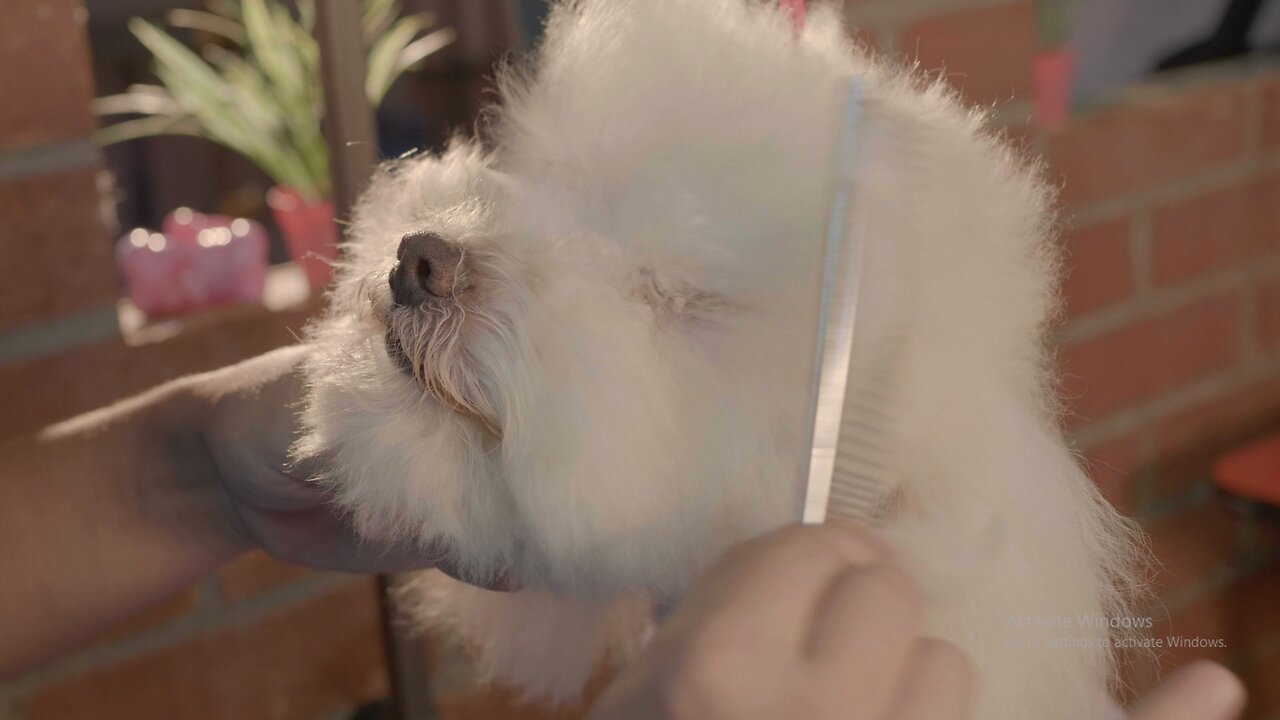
column 309, row 661
column 1192, row 547
column 1148, row 140
column 45, row 77
column 1217, row 230
column 1139, row 361
column 1206, row 618
column 1230, row 415
column 1114, row 467
column 1255, row 636
column 985, row 52
column 1270, row 100
column 254, row 574
column 45, row 390
column 1264, row 692
column 1187, row 442
column 54, row 249
column 1099, row 267
column 1242, row 616
column 1267, row 312
column 1253, row 601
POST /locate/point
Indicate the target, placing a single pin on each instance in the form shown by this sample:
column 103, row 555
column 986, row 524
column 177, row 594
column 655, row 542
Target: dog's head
column 577, row 358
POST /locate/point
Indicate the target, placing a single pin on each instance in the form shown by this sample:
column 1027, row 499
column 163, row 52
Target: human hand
column 1200, row 691
column 811, row 622
column 249, row 419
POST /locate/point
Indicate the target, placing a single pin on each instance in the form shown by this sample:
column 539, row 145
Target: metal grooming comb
column 845, row 477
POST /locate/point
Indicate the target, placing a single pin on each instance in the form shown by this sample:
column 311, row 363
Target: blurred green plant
column 257, row 90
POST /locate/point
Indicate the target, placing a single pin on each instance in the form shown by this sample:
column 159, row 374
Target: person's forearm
column 104, row 515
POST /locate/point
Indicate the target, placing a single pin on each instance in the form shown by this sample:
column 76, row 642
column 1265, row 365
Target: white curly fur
column 617, row 396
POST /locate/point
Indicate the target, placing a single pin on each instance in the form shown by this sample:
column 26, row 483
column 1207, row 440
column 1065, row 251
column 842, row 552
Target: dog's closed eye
column 676, row 300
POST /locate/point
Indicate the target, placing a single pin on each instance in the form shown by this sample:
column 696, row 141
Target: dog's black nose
column 426, row 266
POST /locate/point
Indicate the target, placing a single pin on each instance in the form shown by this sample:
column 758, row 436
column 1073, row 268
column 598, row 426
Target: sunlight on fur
column 613, row 391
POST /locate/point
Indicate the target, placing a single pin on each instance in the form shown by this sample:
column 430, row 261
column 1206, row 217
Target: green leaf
column 139, row 100
column 283, row 51
column 147, row 127
column 225, row 112
column 257, row 105
column 377, row 17
column 266, row 29
column 229, row 9
column 418, row 50
column 173, row 55
column 207, row 22
column 307, row 16
column 381, row 70
column 266, row 100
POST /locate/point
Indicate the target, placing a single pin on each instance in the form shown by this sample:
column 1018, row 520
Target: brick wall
column 1170, row 350
column 258, row 640
column 1170, row 345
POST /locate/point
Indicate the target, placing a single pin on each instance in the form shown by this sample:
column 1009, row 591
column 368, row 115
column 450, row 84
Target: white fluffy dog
column 581, row 359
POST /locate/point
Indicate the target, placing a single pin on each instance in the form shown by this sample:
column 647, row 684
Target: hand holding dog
column 110, row 512
column 249, row 423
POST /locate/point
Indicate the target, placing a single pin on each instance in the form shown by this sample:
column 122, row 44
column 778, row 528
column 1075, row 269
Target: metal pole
column 351, row 135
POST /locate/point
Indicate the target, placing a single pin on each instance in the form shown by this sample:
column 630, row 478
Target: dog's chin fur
column 618, row 393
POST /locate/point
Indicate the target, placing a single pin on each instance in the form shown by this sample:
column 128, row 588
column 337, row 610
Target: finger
column 771, row 586
column 864, row 631
column 1200, row 691
column 939, row 684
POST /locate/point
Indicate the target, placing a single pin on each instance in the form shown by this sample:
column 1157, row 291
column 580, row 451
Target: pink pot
column 309, row 232
column 199, row 261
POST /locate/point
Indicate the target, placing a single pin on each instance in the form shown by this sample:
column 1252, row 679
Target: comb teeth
column 864, row 462
column 859, row 356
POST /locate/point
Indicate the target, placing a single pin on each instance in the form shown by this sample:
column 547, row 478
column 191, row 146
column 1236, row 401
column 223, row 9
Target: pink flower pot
column 199, row 261
column 309, row 232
